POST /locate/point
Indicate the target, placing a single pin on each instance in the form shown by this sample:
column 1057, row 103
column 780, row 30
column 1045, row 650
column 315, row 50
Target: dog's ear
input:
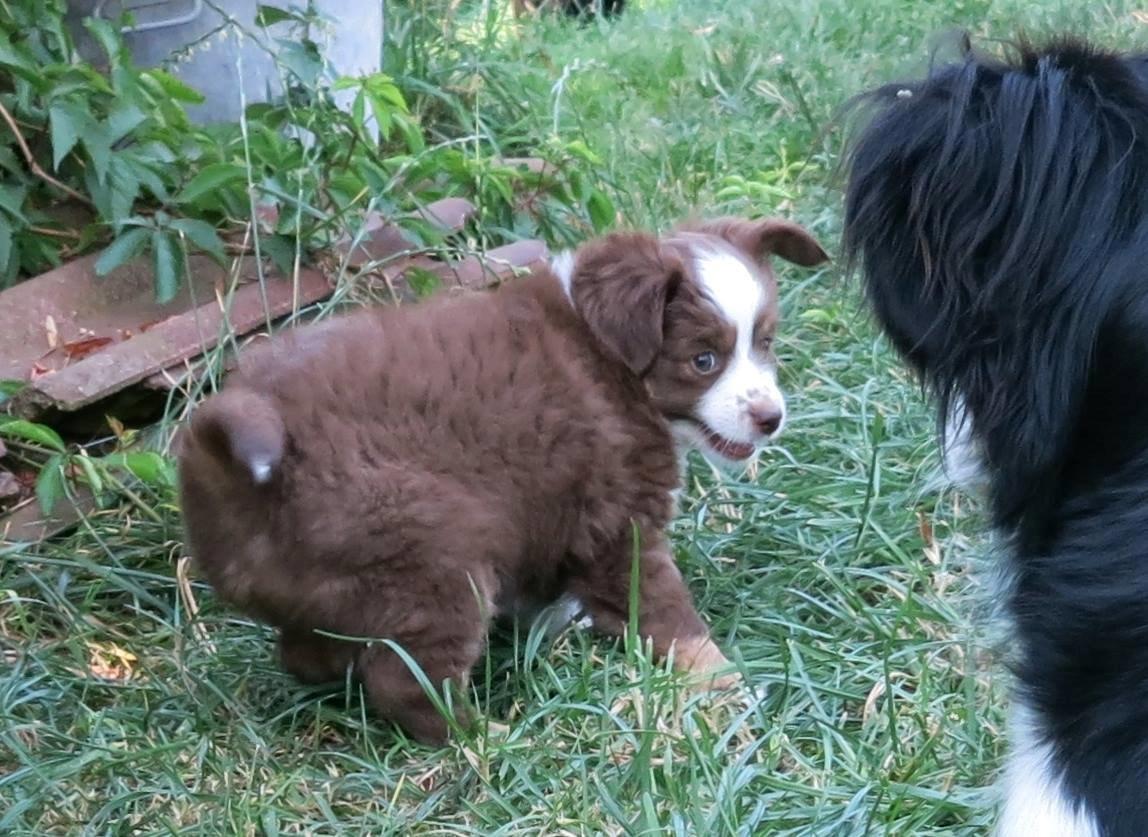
column 620, row 285
column 769, row 236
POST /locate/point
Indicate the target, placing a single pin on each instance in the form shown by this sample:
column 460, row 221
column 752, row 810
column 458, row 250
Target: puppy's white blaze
column 1035, row 802
column 740, row 297
column 260, row 470
column 562, row 266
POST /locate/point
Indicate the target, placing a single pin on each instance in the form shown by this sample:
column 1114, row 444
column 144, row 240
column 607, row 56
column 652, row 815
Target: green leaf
column 9, row 163
column 412, row 134
column 302, row 59
column 383, row 117
column 383, row 87
column 168, row 264
column 125, row 247
column 122, row 120
column 100, row 193
column 91, row 475
column 202, row 235
column 267, row 15
column 157, row 153
column 359, row 108
column 99, row 148
column 601, row 210
column 9, row 387
column 126, row 80
column 145, row 175
column 273, row 117
column 124, row 189
column 50, row 486
column 13, row 57
column 578, row 148
column 281, row 250
column 500, row 184
column 422, row 282
column 106, row 36
column 146, row 466
column 10, row 275
column 173, row 87
column 209, row 179
column 12, row 201
column 66, row 127
column 5, row 244
column 82, row 80
column 39, row 434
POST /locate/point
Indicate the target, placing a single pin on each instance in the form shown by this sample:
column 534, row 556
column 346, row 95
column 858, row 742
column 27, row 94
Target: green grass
column 837, row 573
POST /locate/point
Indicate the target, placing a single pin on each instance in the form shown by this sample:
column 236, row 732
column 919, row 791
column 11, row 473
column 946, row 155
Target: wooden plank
column 28, row 524
column 180, row 336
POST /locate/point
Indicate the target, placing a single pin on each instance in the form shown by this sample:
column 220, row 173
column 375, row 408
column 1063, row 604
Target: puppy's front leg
column 666, row 613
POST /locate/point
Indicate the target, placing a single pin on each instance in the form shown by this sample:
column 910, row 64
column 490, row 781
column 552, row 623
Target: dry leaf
column 878, row 691
column 932, row 548
column 79, row 349
column 478, row 764
column 110, row 662
column 426, row 782
column 871, row 701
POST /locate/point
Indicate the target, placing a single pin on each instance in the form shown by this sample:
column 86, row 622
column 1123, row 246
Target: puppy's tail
column 242, row 431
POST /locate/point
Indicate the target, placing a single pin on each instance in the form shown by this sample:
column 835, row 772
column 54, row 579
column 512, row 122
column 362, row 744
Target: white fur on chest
column 960, row 455
column 1035, row 803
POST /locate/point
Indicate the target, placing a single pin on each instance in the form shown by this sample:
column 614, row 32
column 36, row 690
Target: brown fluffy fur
column 411, row 473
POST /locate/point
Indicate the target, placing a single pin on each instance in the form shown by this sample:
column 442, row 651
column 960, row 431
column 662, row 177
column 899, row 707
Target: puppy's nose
column 766, row 417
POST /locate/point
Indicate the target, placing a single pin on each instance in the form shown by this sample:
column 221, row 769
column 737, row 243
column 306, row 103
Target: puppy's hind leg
column 314, row 658
column 444, row 632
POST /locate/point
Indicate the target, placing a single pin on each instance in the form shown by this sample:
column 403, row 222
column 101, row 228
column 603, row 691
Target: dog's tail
column 242, row 432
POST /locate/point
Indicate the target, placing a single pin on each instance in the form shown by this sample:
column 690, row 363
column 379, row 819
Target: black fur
column 590, row 8
column 998, row 210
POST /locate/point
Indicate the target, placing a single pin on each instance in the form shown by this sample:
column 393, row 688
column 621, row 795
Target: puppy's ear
column 769, row 236
column 620, row 286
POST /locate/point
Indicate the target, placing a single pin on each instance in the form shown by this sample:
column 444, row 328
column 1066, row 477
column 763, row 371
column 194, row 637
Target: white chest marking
column 1035, row 802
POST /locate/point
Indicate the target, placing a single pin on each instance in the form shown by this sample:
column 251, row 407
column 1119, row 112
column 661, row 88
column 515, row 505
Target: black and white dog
column 998, row 210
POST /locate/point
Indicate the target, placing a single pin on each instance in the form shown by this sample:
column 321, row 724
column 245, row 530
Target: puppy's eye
column 705, row 363
column 765, row 343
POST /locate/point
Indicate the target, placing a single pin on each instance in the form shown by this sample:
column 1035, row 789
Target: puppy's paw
column 708, row 667
column 724, row 682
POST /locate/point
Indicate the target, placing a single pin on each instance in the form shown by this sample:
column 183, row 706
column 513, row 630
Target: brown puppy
column 411, row 473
